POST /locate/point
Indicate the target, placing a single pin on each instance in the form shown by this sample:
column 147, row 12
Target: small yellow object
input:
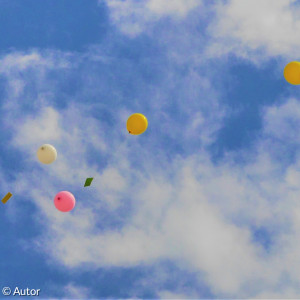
column 292, row 72
column 137, row 124
column 6, row 198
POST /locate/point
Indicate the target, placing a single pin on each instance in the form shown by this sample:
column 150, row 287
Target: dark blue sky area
column 65, row 24
column 247, row 90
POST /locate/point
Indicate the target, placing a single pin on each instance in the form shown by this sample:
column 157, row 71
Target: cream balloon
column 46, row 154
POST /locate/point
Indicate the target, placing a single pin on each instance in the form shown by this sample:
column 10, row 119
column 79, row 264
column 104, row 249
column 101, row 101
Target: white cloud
column 73, row 291
column 250, row 27
column 25, row 75
column 281, row 121
column 41, row 130
column 17, row 62
column 133, row 17
column 172, row 295
column 176, row 7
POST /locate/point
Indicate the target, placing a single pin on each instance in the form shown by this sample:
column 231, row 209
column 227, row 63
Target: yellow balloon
column 137, row 124
column 292, row 72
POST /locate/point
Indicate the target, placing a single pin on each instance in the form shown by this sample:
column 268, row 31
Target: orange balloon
column 292, row 72
column 137, row 124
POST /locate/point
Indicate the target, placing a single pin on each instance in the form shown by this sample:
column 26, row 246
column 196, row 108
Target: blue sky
column 205, row 203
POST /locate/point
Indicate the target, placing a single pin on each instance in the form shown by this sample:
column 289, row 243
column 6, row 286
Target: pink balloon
column 64, row 201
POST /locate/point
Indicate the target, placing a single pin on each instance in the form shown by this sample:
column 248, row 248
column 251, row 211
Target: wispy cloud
column 133, row 17
column 73, row 291
column 251, row 29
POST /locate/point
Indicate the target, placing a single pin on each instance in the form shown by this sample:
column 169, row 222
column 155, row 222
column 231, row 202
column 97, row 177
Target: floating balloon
column 46, row 154
column 292, row 72
column 64, row 201
column 137, row 124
